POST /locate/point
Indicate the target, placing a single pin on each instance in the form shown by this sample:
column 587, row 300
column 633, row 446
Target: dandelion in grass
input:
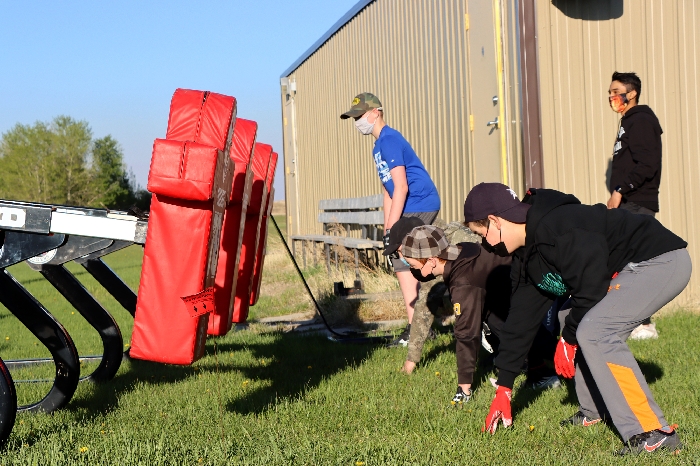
column 245, row 383
column 83, row 449
column 7, row 338
column 437, row 374
column 309, row 367
column 359, row 463
column 532, row 428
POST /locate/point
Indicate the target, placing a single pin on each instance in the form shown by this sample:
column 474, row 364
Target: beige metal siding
column 513, row 107
column 414, row 56
column 578, row 51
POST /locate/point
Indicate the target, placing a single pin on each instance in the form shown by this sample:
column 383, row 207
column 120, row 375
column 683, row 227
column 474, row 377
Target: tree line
column 60, row 162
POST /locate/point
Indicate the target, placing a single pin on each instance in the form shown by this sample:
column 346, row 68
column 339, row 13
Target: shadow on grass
column 524, row 398
column 289, row 376
column 104, row 397
column 301, row 363
column 484, row 362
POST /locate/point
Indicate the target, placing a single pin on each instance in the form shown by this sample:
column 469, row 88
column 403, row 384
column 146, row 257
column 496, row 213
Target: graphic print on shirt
column 552, row 283
column 618, row 143
column 382, row 168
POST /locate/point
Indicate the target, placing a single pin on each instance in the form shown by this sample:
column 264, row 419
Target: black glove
column 385, row 238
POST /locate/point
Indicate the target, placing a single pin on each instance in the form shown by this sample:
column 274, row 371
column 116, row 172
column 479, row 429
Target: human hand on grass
column 408, row 367
column 564, row 359
column 500, row 410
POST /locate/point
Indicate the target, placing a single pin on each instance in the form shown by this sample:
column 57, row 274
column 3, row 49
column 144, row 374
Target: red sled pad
column 182, row 246
column 249, row 246
column 262, row 241
column 183, row 170
column 202, row 116
column 242, row 144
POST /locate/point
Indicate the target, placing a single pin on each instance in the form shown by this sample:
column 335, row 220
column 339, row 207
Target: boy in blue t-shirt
column 408, row 189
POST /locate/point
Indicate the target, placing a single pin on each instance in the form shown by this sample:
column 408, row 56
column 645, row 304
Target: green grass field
column 264, row 397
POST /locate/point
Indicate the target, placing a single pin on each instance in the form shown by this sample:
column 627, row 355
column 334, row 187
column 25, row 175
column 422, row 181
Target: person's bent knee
column 587, row 333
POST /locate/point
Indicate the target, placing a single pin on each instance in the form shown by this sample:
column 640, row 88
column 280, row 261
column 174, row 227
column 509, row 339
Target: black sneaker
column 579, row 419
column 461, row 397
column 649, row 442
column 402, row 339
column 542, row 383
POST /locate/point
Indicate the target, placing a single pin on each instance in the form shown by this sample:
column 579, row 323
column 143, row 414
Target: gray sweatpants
column 608, row 379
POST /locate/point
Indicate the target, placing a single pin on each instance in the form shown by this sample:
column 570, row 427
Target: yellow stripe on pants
column 635, row 397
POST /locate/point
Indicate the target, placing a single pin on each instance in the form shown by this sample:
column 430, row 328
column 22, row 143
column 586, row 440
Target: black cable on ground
column 343, row 337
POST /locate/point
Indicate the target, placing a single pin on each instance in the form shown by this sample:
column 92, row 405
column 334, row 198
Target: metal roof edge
column 358, row 7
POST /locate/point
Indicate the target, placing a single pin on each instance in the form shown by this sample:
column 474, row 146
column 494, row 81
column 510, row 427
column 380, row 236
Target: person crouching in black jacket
column 619, row 268
column 479, row 285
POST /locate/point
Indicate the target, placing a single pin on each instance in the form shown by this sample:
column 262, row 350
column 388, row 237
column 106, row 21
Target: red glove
column 564, row 359
column 500, row 409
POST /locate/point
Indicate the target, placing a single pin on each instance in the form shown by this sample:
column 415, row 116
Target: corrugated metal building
column 445, row 68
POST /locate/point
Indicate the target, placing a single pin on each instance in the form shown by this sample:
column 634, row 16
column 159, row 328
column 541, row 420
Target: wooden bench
column 363, row 213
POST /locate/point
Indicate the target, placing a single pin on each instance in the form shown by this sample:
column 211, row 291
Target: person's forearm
column 397, row 204
column 387, row 209
column 466, row 352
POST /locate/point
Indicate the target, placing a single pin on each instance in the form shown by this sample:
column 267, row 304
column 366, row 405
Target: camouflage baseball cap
column 362, row 104
column 428, row 241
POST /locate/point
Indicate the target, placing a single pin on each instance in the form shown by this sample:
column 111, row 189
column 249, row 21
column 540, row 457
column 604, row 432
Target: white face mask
column 364, row 126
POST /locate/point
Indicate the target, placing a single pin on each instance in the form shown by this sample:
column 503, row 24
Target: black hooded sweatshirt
column 636, row 164
column 570, row 249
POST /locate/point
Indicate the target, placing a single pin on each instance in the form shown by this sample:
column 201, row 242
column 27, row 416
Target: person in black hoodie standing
column 618, row 268
column 636, row 162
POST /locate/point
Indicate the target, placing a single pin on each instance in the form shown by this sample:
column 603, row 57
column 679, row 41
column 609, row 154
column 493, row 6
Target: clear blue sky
column 116, row 64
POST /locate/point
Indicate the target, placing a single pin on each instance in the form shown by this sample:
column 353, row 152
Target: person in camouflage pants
column 479, row 287
column 433, row 298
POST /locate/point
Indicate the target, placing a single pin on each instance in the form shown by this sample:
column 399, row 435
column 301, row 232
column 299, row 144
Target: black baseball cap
column 494, row 199
column 398, row 232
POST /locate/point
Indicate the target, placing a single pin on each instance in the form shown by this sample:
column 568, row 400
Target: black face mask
column 499, row 249
column 418, row 276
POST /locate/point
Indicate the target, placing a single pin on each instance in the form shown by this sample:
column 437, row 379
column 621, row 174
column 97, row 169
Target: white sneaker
column 644, row 332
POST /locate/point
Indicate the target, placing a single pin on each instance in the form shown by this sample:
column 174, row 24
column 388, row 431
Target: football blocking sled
column 190, row 178
column 251, row 233
column 220, row 320
column 209, row 201
column 262, row 242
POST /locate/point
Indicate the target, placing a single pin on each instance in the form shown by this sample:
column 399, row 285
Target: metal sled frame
column 48, row 236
